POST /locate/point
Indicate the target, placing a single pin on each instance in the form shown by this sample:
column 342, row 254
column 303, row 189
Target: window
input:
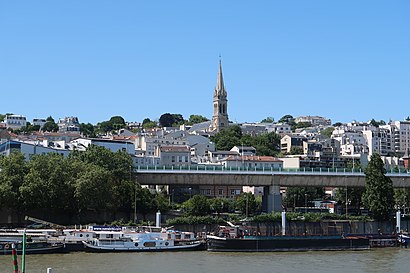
column 220, row 192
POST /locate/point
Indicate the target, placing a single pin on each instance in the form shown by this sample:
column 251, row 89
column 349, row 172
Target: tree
column 268, row 120
column 178, row 119
column 286, row 119
column 402, row 199
column 377, row 123
column 328, row 131
column 2, row 117
column 228, row 138
column 166, row 120
column 354, row 196
column 87, row 129
column 147, row 123
column 337, row 124
column 92, row 189
column 194, row 119
column 304, row 124
column 48, row 184
column 302, row 196
column 117, row 122
column 13, row 169
column 294, row 150
column 50, row 125
column 198, row 205
column 379, row 194
column 246, row 203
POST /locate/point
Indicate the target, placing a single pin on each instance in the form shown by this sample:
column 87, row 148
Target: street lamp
column 305, row 202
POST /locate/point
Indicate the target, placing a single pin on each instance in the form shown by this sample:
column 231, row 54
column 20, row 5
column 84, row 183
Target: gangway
column 39, row 221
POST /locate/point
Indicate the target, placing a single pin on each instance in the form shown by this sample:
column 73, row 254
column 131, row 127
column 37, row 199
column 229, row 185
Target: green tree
column 147, row 123
column 118, row 122
column 228, row 138
column 302, row 125
column 294, row 150
column 92, row 188
column 286, row 119
column 198, row 205
column 337, row 124
column 302, row 196
column 246, row 203
column 2, row 117
column 48, row 183
column 195, row 119
column 354, row 196
column 145, row 201
column 178, row 119
column 328, row 131
column 13, row 170
column 402, row 199
column 379, row 194
column 268, row 120
column 50, row 125
column 166, row 120
column 88, row 130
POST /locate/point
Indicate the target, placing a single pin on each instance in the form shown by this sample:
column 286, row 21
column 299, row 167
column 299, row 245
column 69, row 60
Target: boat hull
column 286, row 243
column 33, row 248
column 188, row 247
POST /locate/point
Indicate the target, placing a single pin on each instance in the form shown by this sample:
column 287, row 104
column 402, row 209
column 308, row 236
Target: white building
column 39, row 121
column 29, row 149
column 253, row 162
column 81, row 144
column 378, row 141
column 314, row 120
column 175, row 155
column 15, row 121
column 279, row 128
column 244, row 150
column 400, row 135
column 68, row 124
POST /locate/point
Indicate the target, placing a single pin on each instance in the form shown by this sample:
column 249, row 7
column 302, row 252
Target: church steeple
column 220, row 117
column 220, row 87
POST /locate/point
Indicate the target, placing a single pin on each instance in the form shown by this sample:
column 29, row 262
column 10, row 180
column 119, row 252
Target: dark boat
column 286, row 243
column 32, row 247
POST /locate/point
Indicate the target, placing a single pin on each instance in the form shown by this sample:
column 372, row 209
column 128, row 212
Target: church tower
column 220, row 117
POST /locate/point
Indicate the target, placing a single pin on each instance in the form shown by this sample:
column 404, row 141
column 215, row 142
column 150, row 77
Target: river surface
column 372, row 261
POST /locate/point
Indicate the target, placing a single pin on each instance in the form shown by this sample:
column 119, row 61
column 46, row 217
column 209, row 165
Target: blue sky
column 345, row 60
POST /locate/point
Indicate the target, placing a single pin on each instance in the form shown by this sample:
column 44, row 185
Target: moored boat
column 149, row 239
column 32, row 247
column 286, row 243
column 234, row 239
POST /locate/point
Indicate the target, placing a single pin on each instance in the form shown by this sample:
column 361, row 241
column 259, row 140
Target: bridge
column 271, row 179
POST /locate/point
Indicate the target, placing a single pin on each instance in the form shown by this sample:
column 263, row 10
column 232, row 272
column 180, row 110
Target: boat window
column 136, row 244
column 149, row 244
column 166, row 243
column 187, row 236
column 169, row 236
column 81, row 235
column 178, row 236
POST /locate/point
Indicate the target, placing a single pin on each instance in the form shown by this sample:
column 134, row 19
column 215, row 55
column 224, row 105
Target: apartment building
column 314, row 120
column 15, row 122
column 400, row 135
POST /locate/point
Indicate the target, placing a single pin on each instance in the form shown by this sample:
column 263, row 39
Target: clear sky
column 344, row 60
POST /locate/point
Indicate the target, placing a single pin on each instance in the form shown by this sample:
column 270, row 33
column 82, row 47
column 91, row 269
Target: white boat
column 147, row 239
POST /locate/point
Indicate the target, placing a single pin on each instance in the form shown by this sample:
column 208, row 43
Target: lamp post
column 305, row 202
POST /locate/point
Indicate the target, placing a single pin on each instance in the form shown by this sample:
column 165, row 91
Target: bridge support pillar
column 272, row 199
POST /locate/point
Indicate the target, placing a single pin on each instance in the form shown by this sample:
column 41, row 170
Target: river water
column 372, row 261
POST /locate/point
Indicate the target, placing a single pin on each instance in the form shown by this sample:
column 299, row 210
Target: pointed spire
column 220, row 88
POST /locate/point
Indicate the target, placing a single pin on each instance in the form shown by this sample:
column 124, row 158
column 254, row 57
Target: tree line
column 97, row 179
